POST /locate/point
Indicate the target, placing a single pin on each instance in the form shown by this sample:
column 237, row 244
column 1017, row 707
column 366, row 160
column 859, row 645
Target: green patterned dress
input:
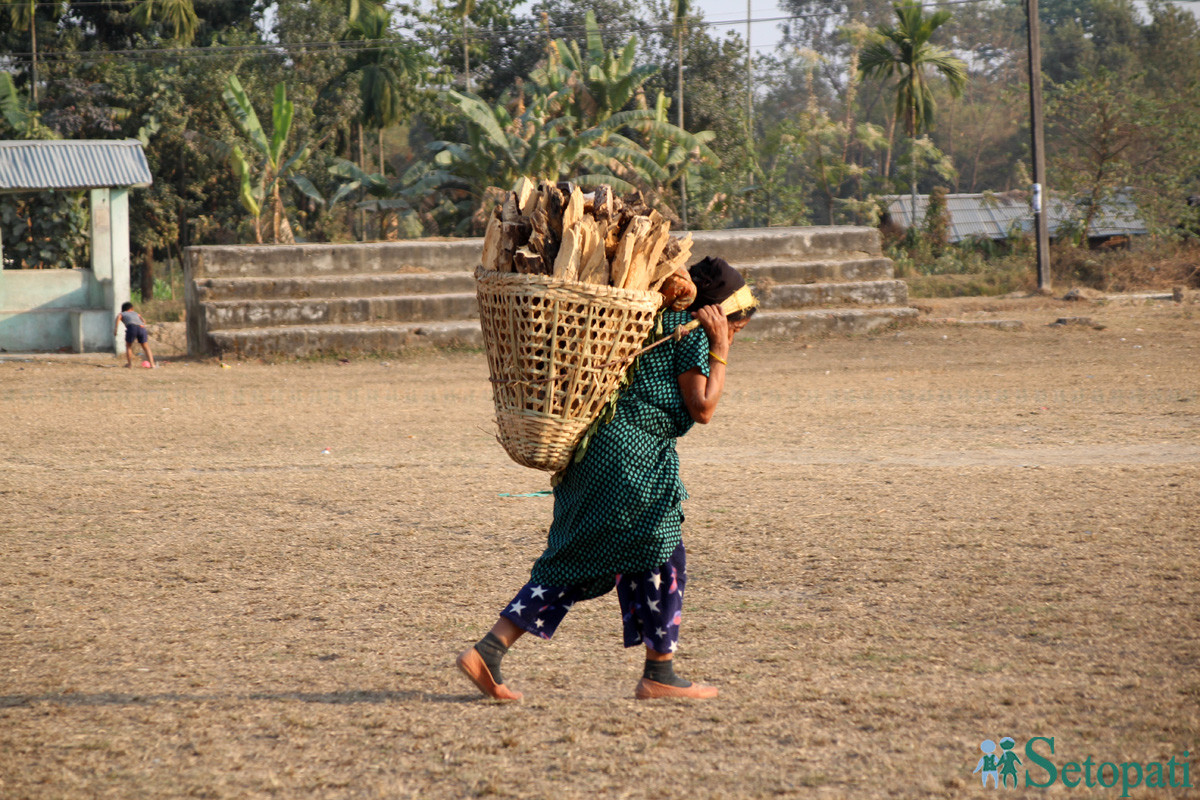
column 619, row 508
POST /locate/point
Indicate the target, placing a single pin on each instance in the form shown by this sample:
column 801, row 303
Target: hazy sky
column 763, row 35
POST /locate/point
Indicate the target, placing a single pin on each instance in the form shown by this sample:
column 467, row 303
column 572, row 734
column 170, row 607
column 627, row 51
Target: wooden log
column 675, row 254
column 602, row 205
column 513, row 235
column 678, row 290
column 525, row 194
column 527, row 262
column 491, row 242
column 553, row 202
column 624, row 263
column 573, row 212
column 648, row 260
column 510, row 209
column 593, row 264
column 570, row 253
column 612, row 237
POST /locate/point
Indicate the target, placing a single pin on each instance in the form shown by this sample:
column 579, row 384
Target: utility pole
column 749, row 75
column 1041, row 229
column 679, row 18
column 466, row 51
column 750, row 109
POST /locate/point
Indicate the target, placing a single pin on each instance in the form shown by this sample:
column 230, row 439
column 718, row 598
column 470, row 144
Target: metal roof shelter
column 55, row 309
column 31, row 165
column 997, row 216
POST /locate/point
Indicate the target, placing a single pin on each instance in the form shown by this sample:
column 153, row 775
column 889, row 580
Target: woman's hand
column 701, row 392
column 714, row 322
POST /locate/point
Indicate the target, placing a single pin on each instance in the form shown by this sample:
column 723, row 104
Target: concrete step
column 750, row 245
column 285, row 261
column 314, row 340
column 739, row 246
column 850, row 267
column 227, row 314
column 863, row 293
column 789, row 324
column 369, row 285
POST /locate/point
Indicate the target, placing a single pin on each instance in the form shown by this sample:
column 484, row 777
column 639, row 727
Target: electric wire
column 278, row 49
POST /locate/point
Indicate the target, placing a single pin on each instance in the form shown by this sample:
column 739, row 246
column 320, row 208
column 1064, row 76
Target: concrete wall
column 48, row 309
column 52, row 309
column 45, row 288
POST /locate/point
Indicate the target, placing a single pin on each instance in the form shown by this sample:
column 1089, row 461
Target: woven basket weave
column 556, row 351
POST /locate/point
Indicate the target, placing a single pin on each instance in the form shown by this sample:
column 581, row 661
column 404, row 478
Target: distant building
column 72, row 308
column 998, row 216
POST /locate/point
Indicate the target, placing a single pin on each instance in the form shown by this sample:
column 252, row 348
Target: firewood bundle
column 599, row 238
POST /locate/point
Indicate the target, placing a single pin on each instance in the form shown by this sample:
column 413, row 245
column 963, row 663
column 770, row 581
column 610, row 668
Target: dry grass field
column 900, row 545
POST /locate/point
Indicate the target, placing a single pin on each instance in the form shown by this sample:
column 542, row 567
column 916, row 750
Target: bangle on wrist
column 718, row 358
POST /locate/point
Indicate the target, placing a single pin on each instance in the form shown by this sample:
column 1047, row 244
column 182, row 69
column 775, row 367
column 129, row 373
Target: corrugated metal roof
column 72, row 164
column 995, row 216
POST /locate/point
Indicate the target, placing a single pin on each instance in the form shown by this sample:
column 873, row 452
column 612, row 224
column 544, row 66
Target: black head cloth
column 715, row 281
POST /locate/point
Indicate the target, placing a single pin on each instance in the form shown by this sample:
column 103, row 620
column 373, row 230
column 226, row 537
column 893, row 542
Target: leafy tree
column 491, row 60
column 42, row 229
column 819, row 25
column 1114, row 141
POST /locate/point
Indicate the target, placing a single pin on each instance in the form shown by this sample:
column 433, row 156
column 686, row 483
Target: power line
column 350, row 46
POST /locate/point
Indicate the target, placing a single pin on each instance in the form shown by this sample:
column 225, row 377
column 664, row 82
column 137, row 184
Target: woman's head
column 715, row 282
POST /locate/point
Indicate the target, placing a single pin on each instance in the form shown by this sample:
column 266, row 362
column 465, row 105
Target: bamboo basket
column 557, row 351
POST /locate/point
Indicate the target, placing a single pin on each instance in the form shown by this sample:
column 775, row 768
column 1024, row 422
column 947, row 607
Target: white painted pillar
column 110, row 251
column 119, row 243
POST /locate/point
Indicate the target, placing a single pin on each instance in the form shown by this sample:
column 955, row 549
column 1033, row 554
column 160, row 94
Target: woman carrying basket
column 618, row 510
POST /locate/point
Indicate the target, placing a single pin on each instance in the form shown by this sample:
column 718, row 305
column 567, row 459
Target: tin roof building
column 72, row 308
column 997, row 216
column 63, row 164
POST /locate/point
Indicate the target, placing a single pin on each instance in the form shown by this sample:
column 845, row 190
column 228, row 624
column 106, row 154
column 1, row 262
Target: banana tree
column 389, row 198
column 673, row 148
column 501, row 147
column 595, row 84
column 274, row 167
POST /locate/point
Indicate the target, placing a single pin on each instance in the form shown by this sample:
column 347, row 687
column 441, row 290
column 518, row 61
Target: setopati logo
column 1042, row 770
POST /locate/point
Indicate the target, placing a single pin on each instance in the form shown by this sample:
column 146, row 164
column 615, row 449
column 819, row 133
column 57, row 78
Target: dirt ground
column 900, row 545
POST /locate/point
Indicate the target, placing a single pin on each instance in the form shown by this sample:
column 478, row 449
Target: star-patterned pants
column 651, row 605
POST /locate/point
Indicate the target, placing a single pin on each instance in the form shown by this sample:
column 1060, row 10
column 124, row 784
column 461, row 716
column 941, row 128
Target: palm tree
column 386, row 73
column 23, row 14
column 904, row 51
column 179, row 14
column 466, row 8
